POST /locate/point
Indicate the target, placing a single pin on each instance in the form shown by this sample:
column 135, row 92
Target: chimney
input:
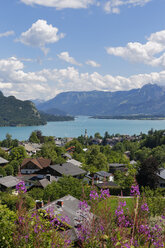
column 60, row 203
column 39, row 204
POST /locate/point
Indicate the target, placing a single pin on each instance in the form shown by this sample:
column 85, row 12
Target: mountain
column 14, row 112
column 148, row 100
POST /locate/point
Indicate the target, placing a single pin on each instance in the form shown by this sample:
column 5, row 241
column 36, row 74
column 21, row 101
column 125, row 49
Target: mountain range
column 148, row 100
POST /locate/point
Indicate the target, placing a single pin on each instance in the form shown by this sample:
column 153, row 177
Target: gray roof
column 67, row 155
column 103, row 174
column 75, row 162
column 3, row 161
column 162, row 174
column 9, row 181
column 32, row 147
column 68, row 169
column 45, row 182
column 69, row 209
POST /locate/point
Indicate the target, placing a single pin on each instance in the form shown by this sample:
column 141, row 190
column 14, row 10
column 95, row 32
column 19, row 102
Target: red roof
column 39, row 162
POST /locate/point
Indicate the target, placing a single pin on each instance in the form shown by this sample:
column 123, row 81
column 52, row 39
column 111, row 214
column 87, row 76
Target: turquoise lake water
column 77, row 127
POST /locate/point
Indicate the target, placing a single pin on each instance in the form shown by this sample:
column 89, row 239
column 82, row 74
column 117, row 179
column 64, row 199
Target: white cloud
column 40, row 34
column 46, row 83
column 113, row 6
column 67, row 58
column 109, row 6
column 61, row 4
column 92, row 63
column 151, row 53
column 7, row 33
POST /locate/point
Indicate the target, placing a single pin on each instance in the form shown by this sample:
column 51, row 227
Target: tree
column 9, row 170
column 2, row 172
column 36, row 193
column 142, row 154
column 33, row 138
column 4, row 154
column 7, row 219
column 52, row 192
column 48, row 151
column 97, row 136
column 18, row 153
column 15, row 164
column 148, row 173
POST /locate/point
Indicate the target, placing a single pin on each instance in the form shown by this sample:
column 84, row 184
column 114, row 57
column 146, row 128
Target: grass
column 112, row 203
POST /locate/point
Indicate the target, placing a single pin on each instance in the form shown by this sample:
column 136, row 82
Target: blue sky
column 51, row 46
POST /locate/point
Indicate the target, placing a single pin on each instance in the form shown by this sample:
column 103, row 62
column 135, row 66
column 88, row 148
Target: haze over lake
column 77, row 127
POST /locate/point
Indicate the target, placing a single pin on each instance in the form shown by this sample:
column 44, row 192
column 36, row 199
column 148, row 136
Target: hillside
column 149, row 100
column 14, row 112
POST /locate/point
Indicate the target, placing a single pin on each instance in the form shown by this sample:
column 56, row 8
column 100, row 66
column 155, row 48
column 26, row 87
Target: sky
column 52, row 46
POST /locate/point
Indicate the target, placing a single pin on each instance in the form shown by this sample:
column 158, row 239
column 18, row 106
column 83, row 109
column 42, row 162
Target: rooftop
column 103, row 174
column 68, row 169
column 3, row 161
column 70, row 209
column 162, row 174
column 9, row 181
column 39, row 162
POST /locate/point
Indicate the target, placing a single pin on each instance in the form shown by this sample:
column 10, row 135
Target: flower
column 94, row 195
column 104, row 193
column 20, row 187
column 144, row 207
column 135, row 190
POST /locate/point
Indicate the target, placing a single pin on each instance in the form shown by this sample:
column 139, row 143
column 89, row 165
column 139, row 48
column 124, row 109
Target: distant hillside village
column 58, row 172
column 99, row 161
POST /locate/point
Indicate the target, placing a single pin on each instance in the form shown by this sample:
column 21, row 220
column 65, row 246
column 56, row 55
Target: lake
column 77, row 127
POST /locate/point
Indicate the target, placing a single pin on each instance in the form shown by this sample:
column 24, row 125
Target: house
column 161, row 178
column 68, row 209
column 102, row 176
column 70, row 149
column 117, row 167
column 67, row 169
column 32, row 148
column 96, row 141
column 8, row 182
column 60, row 142
column 6, row 149
column 42, row 183
column 32, row 165
column 106, row 185
column 99, row 177
column 3, row 161
column 75, row 162
column 66, row 156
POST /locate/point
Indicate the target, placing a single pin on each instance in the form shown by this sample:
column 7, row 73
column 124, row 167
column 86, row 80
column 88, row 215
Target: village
column 57, row 171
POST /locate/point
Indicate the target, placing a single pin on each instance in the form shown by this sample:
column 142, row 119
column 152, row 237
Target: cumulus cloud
column 113, row 6
column 61, row 4
column 92, row 63
column 46, row 83
column 67, row 58
column 151, row 53
column 7, row 33
column 40, row 34
column 14, row 81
